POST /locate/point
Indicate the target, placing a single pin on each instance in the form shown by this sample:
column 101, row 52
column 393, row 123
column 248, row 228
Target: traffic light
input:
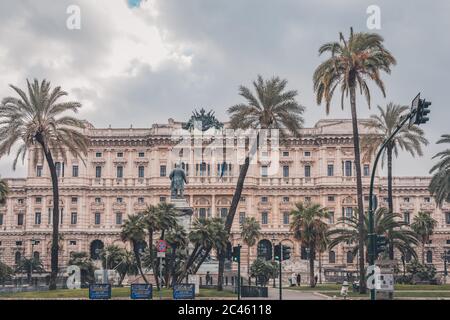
column 236, row 254
column 381, row 244
column 420, row 108
column 277, row 252
column 286, row 253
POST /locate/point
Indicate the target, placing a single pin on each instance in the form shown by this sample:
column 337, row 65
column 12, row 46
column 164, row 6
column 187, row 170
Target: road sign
column 184, row 291
column 99, row 291
column 161, row 246
column 141, row 291
column 160, row 254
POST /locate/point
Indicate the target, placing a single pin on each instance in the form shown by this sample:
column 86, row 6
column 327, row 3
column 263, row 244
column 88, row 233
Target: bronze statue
column 178, row 179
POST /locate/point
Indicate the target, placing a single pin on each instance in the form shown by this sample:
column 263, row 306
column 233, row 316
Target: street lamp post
column 33, row 243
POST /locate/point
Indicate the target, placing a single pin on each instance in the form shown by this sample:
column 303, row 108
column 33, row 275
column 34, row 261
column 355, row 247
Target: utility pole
column 417, row 115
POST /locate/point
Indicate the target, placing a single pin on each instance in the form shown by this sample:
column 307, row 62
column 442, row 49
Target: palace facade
column 127, row 169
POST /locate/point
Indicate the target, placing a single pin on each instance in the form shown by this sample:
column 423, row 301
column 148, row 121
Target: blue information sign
column 141, row 291
column 184, row 291
column 99, row 291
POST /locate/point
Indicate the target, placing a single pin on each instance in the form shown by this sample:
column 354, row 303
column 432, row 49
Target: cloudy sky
column 138, row 64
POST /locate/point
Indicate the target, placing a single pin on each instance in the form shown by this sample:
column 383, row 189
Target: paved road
column 291, row 295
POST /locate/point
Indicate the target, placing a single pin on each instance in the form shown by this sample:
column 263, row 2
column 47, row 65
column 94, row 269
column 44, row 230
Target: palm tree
column 397, row 233
column 177, row 240
column 152, row 224
column 310, row 230
column 409, row 138
column 84, row 262
column 133, row 231
column 423, row 224
column 440, row 182
column 39, row 121
column 3, row 190
column 28, row 266
column 352, row 63
column 250, row 232
column 167, row 217
column 271, row 108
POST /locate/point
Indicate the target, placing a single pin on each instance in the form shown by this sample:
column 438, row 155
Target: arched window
column 265, row 249
column 96, row 248
column 17, row 257
column 429, row 256
column 349, row 257
column 332, row 257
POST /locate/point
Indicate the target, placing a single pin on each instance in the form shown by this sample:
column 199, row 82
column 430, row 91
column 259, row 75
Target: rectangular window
column 241, row 217
column 286, row 171
column 406, row 199
column 366, row 170
column 447, row 217
column 330, row 217
column 307, row 171
column 98, row 200
column 98, row 171
column 307, row 154
column 98, row 155
column 427, row 199
column 74, row 200
column 162, row 171
column 264, row 171
column 264, row 199
column 59, row 169
column 72, row 243
column 330, row 170
column 38, row 171
column 97, row 218
column 307, row 200
column 264, row 218
column 223, row 213
column 406, row 217
column 285, row 153
column 119, row 154
column 20, row 201
column 140, row 200
column 119, row 200
column 38, row 200
column 202, row 213
column 20, row 219
column 1, row 219
column 285, row 217
column 73, row 218
column 162, row 199
column 330, row 198
column 118, row 218
column 348, row 168
column 141, row 171
column 141, row 154
column 348, row 212
column 119, row 172
column 75, row 171
column 37, row 218
column 285, row 199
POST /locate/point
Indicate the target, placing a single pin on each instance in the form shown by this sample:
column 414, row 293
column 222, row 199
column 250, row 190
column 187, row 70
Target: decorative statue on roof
column 202, row 121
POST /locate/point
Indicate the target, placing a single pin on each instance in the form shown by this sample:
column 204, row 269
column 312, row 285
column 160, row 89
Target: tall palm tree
column 250, row 233
column 133, row 231
column 152, row 224
column 440, row 182
column 352, row 63
column 409, row 138
column 398, row 234
column 3, row 190
column 177, row 240
column 39, row 121
column 423, row 224
column 310, row 230
column 271, row 107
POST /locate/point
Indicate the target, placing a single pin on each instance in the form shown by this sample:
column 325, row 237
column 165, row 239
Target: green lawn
column 116, row 293
column 398, row 287
column 397, row 294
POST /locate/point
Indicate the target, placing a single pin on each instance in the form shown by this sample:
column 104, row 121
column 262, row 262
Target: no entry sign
column 161, row 246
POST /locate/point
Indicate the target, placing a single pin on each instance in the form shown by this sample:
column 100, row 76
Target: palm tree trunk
column 390, row 197
column 248, row 261
column 232, row 212
column 423, row 251
column 150, row 246
column 189, row 263
column 138, row 261
column 55, row 217
column 221, row 270
column 320, row 267
column 359, row 189
column 312, row 282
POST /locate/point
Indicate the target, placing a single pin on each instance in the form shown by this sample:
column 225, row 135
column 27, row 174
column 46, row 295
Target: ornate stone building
column 126, row 169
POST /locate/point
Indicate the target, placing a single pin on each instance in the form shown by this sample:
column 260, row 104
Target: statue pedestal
column 185, row 212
